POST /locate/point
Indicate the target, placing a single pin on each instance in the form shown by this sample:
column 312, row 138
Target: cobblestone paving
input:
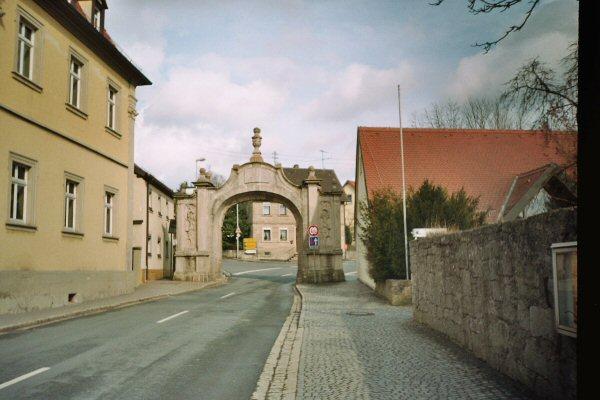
column 384, row 355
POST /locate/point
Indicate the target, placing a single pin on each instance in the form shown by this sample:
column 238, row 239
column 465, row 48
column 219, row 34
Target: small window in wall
column 112, row 108
column 71, row 193
column 349, row 198
column 19, row 191
column 159, row 206
column 266, row 208
column 266, row 234
column 564, row 269
column 282, row 209
column 150, row 200
column 22, row 190
column 97, row 19
column 75, row 76
column 26, row 49
column 283, row 234
column 109, row 211
column 149, row 245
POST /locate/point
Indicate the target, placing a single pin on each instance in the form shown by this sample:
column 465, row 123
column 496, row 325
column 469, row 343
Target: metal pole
column 403, row 185
column 237, row 230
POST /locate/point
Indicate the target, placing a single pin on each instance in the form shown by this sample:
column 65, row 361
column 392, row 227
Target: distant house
column 274, row 225
column 153, row 212
column 490, row 164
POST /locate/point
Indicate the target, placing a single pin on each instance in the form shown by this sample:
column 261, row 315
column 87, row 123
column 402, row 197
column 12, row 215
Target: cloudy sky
column 309, row 72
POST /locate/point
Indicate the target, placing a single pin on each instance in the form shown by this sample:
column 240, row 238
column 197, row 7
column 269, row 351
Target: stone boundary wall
column 491, row 290
column 23, row 291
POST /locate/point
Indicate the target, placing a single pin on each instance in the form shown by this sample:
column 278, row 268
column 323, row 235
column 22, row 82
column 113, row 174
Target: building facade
column 153, row 213
column 67, row 112
column 274, row 228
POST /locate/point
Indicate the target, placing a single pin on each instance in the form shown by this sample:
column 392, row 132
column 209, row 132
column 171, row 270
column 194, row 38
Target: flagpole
column 403, row 186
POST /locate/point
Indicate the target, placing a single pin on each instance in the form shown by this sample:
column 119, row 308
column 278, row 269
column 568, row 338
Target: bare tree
column 474, row 113
column 488, row 6
column 552, row 97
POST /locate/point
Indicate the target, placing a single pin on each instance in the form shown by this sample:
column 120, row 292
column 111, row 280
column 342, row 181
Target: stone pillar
column 325, row 263
column 204, row 228
column 185, row 256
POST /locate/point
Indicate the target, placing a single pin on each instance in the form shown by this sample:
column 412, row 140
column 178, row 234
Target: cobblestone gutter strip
column 279, row 378
column 66, row 313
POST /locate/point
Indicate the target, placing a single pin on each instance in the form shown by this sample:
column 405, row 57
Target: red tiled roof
column 523, row 182
column 483, row 162
column 351, row 183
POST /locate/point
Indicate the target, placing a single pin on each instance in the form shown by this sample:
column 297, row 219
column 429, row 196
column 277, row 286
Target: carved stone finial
column 256, row 142
column 311, row 173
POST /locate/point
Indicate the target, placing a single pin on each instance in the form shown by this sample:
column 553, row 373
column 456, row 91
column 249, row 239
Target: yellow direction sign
column 249, row 244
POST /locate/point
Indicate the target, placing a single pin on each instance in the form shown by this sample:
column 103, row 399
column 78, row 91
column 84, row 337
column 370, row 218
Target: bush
column 382, row 227
column 382, row 231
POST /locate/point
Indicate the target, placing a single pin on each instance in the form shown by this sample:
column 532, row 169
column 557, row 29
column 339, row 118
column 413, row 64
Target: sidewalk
column 153, row 290
column 355, row 346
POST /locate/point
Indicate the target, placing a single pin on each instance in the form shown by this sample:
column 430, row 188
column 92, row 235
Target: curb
column 279, row 377
column 98, row 310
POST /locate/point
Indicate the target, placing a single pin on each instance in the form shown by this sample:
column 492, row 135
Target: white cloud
column 357, row 90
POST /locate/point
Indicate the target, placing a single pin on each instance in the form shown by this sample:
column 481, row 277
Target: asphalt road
column 209, row 344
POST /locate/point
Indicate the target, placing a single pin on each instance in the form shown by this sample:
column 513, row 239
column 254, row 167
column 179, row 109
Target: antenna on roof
column 403, row 186
column 323, row 158
column 274, row 158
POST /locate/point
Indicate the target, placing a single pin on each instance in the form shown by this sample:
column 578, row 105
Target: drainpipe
column 147, row 225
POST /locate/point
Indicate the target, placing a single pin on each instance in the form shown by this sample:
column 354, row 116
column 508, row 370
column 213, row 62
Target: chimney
column 296, row 166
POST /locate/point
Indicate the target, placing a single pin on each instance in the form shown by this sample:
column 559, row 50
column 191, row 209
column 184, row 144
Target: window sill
column 113, row 132
column 76, row 111
column 110, row 238
column 67, row 232
column 27, row 82
column 19, row 226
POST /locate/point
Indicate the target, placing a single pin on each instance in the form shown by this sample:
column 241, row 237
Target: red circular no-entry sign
column 313, row 230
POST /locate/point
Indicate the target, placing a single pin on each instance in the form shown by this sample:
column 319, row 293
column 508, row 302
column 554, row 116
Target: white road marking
column 171, row 317
column 255, row 270
column 23, row 377
column 227, row 295
column 350, row 273
column 287, row 275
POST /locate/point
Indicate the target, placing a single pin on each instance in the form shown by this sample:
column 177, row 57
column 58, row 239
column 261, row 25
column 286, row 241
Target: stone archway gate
column 200, row 215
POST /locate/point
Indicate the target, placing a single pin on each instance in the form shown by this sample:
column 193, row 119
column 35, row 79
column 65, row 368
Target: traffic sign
column 313, row 242
column 313, row 230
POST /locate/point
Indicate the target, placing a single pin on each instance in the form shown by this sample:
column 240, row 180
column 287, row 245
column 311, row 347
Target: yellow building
column 67, row 113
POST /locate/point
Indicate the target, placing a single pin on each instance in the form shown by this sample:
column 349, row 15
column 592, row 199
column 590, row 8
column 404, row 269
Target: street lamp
column 201, row 159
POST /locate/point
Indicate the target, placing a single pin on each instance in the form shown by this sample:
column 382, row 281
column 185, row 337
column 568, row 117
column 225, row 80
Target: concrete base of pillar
column 197, row 276
column 321, row 276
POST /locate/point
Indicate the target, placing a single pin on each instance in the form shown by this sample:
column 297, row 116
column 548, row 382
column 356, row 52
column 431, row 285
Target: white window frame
column 71, row 198
column 75, row 76
column 111, row 113
column 560, row 248
column 282, row 209
column 97, row 18
column 23, row 42
column 287, row 237
column 270, row 234
column 109, row 212
column 16, row 183
column 268, row 205
column 30, row 181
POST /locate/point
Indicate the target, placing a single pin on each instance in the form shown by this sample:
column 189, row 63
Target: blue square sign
column 313, row 242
